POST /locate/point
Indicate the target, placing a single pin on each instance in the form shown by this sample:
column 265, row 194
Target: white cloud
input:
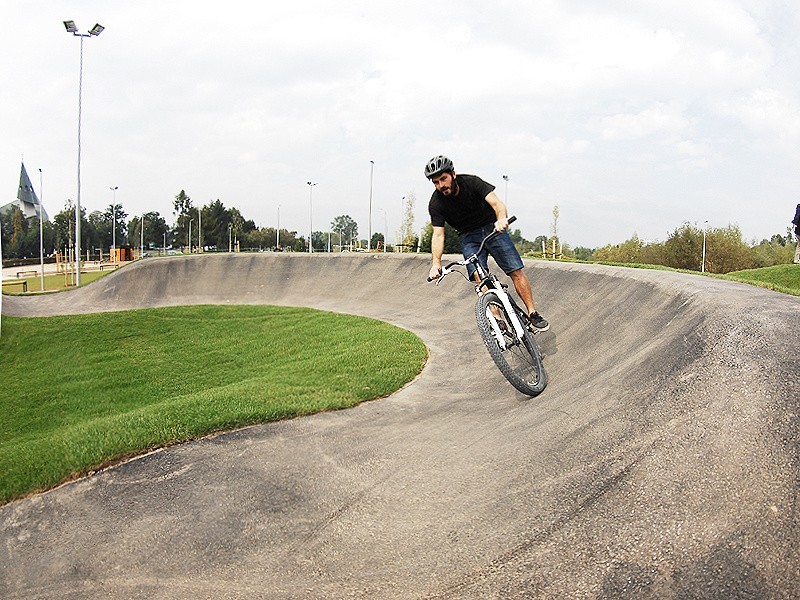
column 658, row 119
column 595, row 106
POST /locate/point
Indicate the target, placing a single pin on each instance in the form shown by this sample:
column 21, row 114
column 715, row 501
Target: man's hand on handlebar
column 434, row 273
column 501, row 224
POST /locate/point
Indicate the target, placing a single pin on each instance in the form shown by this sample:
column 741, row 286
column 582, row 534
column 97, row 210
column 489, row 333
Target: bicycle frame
column 490, row 282
column 503, row 325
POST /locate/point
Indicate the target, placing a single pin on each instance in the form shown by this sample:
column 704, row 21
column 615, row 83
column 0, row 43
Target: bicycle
column 504, row 327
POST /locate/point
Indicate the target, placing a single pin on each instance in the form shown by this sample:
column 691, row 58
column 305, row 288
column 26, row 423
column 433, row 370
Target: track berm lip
column 661, row 460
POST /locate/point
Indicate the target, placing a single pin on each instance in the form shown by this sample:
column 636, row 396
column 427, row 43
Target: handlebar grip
column 511, row 220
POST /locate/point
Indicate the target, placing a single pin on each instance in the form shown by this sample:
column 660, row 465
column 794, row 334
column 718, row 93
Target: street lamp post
column 386, row 229
column 505, row 177
column 310, row 215
column 94, row 31
column 41, row 232
column 278, row 230
column 190, row 235
column 371, row 174
column 114, row 221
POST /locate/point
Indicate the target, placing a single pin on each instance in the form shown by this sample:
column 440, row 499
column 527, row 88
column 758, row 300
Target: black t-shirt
column 468, row 209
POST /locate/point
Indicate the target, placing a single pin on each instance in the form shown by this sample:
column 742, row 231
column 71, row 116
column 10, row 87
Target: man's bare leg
column 523, row 287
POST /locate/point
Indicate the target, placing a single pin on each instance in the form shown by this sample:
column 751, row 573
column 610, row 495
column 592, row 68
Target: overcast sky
column 632, row 117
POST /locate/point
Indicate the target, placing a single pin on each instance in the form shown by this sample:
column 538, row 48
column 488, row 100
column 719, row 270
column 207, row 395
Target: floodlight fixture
column 70, row 25
column 97, row 29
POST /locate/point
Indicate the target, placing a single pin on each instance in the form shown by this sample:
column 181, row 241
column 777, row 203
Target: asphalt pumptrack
column 660, row 462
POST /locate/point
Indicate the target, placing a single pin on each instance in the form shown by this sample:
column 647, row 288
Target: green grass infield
column 81, row 392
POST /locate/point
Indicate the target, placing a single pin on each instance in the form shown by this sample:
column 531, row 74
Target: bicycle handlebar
column 445, row 270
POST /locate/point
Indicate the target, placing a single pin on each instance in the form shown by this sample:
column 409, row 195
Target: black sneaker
column 538, row 323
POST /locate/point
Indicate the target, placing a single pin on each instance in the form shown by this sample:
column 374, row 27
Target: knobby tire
column 520, row 362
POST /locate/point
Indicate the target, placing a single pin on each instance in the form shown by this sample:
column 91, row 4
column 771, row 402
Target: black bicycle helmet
column 437, row 165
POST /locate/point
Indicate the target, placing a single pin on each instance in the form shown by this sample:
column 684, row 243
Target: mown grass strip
column 81, row 391
column 781, row 278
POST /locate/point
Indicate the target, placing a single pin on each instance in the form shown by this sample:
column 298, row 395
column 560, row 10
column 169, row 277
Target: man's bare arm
column 499, row 210
column 437, row 249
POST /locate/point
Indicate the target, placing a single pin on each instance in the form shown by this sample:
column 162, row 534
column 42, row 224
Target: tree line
column 725, row 249
column 214, row 226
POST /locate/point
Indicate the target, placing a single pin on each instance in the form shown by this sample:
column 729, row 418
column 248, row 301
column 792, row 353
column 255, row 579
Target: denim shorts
column 500, row 247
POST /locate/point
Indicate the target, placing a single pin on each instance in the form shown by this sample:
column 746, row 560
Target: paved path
column 661, row 461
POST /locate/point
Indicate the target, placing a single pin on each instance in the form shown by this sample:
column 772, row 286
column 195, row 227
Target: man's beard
column 452, row 189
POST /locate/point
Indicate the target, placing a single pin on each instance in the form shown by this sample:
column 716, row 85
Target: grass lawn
column 80, row 392
column 781, row 278
column 52, row 283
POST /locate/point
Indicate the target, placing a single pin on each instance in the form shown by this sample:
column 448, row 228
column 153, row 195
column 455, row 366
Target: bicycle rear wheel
column 518, row 359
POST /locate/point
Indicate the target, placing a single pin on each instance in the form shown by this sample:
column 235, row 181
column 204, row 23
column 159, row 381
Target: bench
column 27, row 274
column 108, row 266
column 22, row 282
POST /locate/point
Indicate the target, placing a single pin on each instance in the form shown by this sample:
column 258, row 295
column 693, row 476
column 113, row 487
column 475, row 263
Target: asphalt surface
column 660, row 462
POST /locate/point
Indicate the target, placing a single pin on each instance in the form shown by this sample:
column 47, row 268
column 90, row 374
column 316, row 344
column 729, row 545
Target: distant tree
column 184, row 212
column 346, row 227
column 377, row 240
column 629, row 251
column 216, row 221
column 320, row 241
column 407, row 232
column 539, row 243
column 156, row 230
column 64, row 227
column 452, row 245
column 726, row 251
column 777, row 250
column 16, row 240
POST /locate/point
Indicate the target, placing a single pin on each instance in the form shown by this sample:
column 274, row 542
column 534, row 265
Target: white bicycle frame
column 498, row 290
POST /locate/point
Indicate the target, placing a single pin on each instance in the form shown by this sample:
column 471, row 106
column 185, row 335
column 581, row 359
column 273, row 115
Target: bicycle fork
column 512, row 315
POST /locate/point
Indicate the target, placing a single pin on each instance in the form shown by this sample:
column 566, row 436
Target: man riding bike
column 471, row 206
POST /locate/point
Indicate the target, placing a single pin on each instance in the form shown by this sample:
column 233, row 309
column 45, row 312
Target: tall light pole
column 94, row 31
column 506, row 180
column 399, row 239
column 41, row 237
column 703, row 263
column 114, row 221
column 386, row 228
column 371, row 174
column 278, row 230
column 190, row 235
column 310, row 215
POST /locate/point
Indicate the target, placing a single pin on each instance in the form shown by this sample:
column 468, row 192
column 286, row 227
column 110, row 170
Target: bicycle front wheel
column 517, row 358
